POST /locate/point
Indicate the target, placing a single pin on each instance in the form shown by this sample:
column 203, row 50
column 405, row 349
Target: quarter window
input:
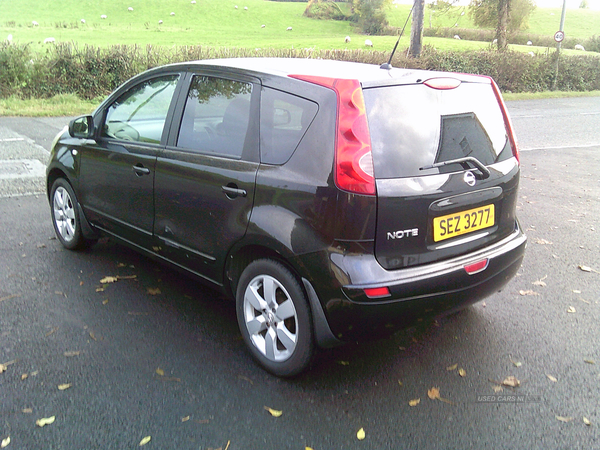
column 139, row 115
column 216, row 116
column 284, row 118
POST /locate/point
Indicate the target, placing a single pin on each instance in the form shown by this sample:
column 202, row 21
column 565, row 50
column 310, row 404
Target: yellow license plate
column 463, row 222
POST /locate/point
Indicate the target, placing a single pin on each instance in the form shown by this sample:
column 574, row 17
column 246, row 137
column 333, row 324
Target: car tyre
column 274, row 318
column 65, row 215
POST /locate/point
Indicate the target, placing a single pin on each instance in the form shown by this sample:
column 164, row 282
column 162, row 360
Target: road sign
column 559, row 36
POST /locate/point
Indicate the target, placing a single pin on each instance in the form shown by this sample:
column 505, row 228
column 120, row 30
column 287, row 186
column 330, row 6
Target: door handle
column 140, row 170
column 233, row 192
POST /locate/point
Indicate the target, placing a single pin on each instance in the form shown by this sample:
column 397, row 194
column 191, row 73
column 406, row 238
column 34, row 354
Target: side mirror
column 82, row 127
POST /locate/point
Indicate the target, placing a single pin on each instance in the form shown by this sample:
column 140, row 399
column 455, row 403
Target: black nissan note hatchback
column 332, row 200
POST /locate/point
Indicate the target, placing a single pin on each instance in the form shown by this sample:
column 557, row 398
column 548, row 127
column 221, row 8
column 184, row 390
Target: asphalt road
column 170, row 363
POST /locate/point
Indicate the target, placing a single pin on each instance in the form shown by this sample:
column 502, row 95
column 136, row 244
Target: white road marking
column 558, row 148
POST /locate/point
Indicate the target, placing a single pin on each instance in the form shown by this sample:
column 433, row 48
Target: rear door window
column 216, row 116
column 414, row 126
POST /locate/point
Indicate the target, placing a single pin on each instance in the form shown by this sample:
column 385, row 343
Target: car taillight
column 477, row 267
column 507, row 121
column 377, row 292
column 353, row 157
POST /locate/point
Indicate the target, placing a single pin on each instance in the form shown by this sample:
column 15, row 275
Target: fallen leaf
column 308, row 448
column 109, row 279
column 185, row 419
column 4, row 366
column 62, row 387
column 105, row 302
column 27, row 410
column 100, row 289
column 589, row 361
column 462, row 372
column 543, row 242
column 121, row 265
column 587, row 421
column 24, row 376
column 344, row 363
column 528, row 292
column 242, row 377
column 585, row 268
column 274, row 412
column 541, row 281
column 360, row 434
column 72, row 353
column 571, row 309
column 5, row 442
column 145, row 441
column 516, row 363
column 564, row 419
column 585, row 301
column 45, row 421
column 551, row 378
column 153, row 291
column 497, row 388
column 93, row 336
column 452, row 367
column 52, row 331
column 127, row 277
column 414, row 402
column 8, row 297
column 160, row 372
column 511, row 381
column 576, row 291
column 433, row 393
column 399, row 383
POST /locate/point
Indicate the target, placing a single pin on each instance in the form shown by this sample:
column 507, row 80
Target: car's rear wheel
column 65, row 215
column 274, row 318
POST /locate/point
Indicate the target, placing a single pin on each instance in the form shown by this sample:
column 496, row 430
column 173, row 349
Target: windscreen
column 414, row 126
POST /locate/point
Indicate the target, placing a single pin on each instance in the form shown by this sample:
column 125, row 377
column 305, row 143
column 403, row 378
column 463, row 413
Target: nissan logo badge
column 470, row 178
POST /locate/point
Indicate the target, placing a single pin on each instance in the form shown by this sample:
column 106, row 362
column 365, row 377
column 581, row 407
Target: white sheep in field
column 172, row 13
column 347, row 39
column 456, row 36
column 103, row 16
column 495, row 41
column 262, row 26
column 235, row 7
column 130, row 9
column 34, row 23
column 529, row 43
column 289, row 29
column 49, row 40
column 160, row 22
column 531, row 54
column 193, row 2
column 368, row 43
column 9, row 38
column 245, row 8
column 83, row 21
column 579, row 47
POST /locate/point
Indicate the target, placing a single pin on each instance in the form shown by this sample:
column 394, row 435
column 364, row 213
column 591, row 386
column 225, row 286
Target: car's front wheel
column 274, row 318
column 65, row 215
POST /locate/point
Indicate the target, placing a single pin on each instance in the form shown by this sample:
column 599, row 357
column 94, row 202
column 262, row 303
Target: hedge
column 92, row 72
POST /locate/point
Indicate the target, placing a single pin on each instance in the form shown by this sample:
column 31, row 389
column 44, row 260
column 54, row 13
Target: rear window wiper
column 485, row 173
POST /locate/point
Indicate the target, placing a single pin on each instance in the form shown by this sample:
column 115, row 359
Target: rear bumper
column 429, row 290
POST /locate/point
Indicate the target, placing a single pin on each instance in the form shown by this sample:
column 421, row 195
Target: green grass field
column 218, row 23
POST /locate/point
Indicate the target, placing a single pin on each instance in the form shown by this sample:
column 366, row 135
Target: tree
column 484, row 13
column 371, row 15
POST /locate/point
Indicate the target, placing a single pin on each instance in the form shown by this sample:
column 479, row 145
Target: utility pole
column 558, row 37
column 416, row 31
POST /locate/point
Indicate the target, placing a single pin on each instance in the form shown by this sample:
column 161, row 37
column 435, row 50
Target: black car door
column 117, row 170
column 204, row 183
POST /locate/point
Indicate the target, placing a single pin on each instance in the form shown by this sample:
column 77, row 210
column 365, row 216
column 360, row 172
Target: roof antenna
column 388, row 65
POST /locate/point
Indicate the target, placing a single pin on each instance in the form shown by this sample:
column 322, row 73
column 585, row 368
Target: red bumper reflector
column 377, row 292
column 477, row 267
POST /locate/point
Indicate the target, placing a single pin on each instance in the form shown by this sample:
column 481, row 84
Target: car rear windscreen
column 414, row 126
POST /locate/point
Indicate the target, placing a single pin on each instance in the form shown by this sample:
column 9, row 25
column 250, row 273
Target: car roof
column 367, row 74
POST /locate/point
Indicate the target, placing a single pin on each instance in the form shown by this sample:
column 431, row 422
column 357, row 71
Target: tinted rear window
column 415, row 126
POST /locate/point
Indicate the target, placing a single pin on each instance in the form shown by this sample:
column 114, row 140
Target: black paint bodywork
column 177, row 206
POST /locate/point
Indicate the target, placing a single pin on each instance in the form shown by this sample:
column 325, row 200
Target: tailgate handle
column 140, row 170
